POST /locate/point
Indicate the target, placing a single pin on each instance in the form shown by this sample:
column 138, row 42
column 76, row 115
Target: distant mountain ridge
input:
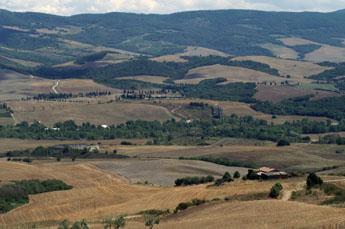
column 236, row 32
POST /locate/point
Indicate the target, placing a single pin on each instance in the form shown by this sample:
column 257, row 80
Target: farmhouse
column 78, row 146
column 267, row 173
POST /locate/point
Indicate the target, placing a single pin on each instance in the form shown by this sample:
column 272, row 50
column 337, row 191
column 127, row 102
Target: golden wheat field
column 51, row 112
column 296, row 69
column 232, row 74
column 97, row 194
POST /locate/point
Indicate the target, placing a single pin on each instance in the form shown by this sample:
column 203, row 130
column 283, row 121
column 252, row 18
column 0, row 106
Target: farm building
column 267, row 173
column 78, row 146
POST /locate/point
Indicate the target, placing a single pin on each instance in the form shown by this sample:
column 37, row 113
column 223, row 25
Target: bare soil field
column 296, row 69
column 76, row 86
column 232, row 74
column 15, row 86
column 279, row 93
column 162, row 172
column 50, row 112
column 150, row 79
column 295, row 157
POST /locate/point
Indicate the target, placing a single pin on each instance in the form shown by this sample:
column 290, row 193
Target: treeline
column 92, row 57
column 61, row 96
column 254, row 66
column 59, row 153
column 332, row 107
column 212, row 90
column 193, row 180
column 16, row 194
column 166, row 132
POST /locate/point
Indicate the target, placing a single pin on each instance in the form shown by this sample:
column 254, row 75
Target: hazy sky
column 70, row 7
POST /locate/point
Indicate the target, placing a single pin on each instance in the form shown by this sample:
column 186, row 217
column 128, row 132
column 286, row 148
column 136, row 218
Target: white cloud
column 69, row 7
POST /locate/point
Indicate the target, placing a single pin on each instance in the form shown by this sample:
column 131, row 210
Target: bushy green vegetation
column 255, row 66
column 193, row 180
column 184, row 205
column 332, row 107
column 275, row 190
column 165, row 132
column 313, row 180
column 16, row 194
column 92, row 57
column 161, row 34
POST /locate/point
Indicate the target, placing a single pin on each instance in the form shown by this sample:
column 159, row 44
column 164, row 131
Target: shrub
column 283, row 142
column 237, row 175
column 193, row 180
column 252, row 175
column 313, row 180
column 227, row 177
column 275, row 190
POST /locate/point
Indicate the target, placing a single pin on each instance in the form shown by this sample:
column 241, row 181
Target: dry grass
column 295, row 157
column 254, row 214
column 232, row 74
column 281, row 51
column 170, row 58
column 201, row 51
column 76, row 86
column 279, row 93
column 150, row 79
column 50, row 112
column 14, row 85
column 296, row 69
column 293, row 41
column 98, row 193
column 327, row 53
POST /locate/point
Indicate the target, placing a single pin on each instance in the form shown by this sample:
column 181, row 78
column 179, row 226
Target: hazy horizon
column 73, row 7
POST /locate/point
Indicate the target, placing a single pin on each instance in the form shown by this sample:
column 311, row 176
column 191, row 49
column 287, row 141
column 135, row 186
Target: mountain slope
column 236, row 32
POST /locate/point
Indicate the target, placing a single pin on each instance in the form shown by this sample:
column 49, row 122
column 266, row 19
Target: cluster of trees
column 83, row 224
column 332, row 107
column 212, row 90
column 16, row 194
column 198, row 104
column 92, row 57
column 59, row 153
column 62, row 96
column 184, row 205
column 193, row 180
column 255, row 66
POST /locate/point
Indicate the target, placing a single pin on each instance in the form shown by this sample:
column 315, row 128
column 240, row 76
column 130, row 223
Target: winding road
column 55, row 86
